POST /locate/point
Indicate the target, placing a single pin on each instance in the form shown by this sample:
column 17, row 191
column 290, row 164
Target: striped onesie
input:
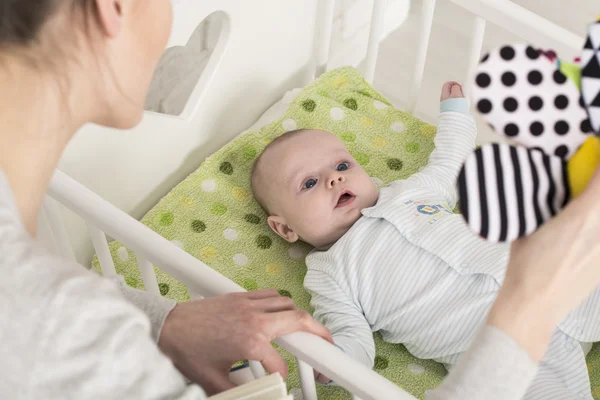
column 411, row 269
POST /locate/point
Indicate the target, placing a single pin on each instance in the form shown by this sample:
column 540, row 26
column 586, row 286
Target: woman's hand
column 550, row 273
column 204, row 338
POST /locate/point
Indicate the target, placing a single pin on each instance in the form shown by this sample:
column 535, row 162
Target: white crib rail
column 374, row 39
column 322, row 39
column 200, row 278
column 425, row 33
column 514, row 18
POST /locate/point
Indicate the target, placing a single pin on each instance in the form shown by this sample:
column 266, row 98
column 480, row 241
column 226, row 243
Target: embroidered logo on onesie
column 425, row 207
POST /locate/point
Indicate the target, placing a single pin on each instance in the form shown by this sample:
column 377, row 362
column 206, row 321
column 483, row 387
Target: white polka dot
column 240, row 259
column 379, row 105
column 296, row 252
column 123, row 254
column 230, row 234
column 416, row 368
column 178, row 243
column 398, row 126
column 289, row 125
column 378, row 182
column 297, row 394
column 208, row 185
column 336, row 114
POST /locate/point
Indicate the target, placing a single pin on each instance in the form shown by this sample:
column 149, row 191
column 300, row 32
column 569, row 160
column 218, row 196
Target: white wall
column 180, row 68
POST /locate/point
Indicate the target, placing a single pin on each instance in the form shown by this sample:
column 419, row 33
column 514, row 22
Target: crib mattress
column 212, row 215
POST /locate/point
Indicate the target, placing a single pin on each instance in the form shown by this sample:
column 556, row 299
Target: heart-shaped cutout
column 180, row 67
column 524, row 96
column 506, row 192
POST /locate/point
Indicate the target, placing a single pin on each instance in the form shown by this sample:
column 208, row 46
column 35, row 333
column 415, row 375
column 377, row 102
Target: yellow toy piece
column 582, row 165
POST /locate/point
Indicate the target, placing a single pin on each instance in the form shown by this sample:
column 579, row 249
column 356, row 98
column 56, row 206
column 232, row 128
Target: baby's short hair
column 258, row 182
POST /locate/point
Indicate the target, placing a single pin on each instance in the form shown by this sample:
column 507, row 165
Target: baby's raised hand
column 451, row 90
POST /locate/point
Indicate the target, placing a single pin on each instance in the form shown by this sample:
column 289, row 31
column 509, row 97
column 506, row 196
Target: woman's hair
column 22, row 20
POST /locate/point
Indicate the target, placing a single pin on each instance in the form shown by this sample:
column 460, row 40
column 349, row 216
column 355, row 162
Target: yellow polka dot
column 428, row 130
column 340, row 82
column 208, row 253
column 366, row 121
column 187, row 201
column 240, row 194
column 266, row 141
column 274, row 269
column 596, row 392
column 380, row 142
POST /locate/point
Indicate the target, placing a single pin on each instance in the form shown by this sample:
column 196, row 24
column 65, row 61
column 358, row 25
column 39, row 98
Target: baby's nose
column 336, row 179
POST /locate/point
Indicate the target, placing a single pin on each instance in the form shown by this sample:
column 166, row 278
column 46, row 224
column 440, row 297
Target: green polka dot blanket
column 212, row 214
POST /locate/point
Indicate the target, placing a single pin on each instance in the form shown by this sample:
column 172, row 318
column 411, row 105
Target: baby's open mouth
column 346, row 198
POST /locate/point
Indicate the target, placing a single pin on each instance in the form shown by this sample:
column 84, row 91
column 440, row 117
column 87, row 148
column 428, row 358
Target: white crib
column 298, row 33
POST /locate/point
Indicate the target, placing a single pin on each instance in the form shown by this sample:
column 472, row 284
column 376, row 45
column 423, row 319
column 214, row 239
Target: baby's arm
column 454, row 140
column 339, row 313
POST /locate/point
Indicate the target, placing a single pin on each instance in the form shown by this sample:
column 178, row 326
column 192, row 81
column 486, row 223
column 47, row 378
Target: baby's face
column 318, row 189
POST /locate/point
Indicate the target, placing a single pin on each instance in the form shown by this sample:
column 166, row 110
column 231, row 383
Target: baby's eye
column 343, row 166
column 310, row 184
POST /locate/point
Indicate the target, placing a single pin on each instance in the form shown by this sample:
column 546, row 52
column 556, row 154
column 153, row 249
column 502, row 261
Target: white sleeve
column 494, row 367
column 104, row 348
column 336, row 310
column 155, row 307
column 454, row 140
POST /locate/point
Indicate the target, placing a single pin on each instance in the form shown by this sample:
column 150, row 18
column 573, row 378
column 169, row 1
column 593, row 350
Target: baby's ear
column 279, row 226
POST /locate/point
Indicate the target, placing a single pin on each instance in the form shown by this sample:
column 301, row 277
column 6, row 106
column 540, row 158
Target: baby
column 398, row 260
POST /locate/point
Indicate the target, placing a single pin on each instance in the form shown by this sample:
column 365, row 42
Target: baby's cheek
column 317, row 222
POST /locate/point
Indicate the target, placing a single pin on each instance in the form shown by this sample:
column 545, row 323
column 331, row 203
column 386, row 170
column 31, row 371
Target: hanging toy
column 550, row 109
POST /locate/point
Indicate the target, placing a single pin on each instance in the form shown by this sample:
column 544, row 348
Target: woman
column 66, row 333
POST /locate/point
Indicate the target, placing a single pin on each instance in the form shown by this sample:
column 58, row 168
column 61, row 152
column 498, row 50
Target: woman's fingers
column 215, row 381
column 260, row 294
column 284, row 322
column 273, row 362
column 274, row 304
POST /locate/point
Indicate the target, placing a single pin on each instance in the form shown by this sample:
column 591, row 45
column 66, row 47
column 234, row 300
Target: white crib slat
column 323, row 29
column 257, row 369
column 374, row 37
column 475, row 52
column 307, row 381
column 148, row 275
column 59, row 233
column 102, row 251
column 426, row 23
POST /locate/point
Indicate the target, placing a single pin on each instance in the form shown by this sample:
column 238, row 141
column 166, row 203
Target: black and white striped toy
column 551, row 110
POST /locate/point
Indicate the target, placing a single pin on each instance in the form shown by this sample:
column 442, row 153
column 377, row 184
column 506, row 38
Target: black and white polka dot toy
column 534, row 99
column 525, row 96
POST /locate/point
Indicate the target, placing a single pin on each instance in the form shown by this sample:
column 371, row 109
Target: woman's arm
column 495, row 367
column 155, row 307
column 550, row 272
